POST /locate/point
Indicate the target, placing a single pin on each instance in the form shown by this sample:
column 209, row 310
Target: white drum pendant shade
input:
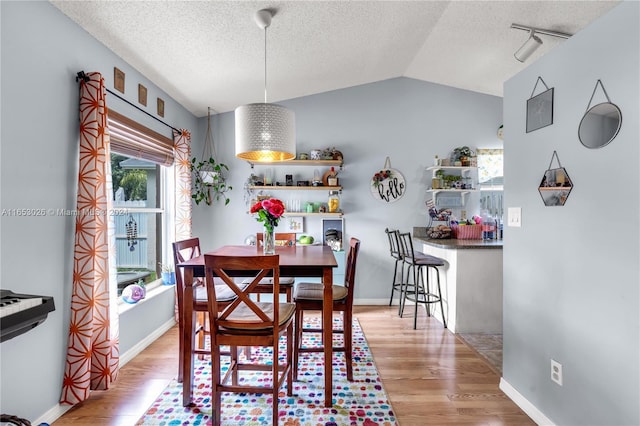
column 265, row 132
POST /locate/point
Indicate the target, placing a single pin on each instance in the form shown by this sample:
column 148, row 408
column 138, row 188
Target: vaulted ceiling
column 211, row 53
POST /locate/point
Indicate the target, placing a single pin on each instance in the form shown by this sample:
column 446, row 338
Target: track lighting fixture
column 533, row 42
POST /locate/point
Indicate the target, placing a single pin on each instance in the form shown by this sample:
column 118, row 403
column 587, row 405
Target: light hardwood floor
column 431, row 377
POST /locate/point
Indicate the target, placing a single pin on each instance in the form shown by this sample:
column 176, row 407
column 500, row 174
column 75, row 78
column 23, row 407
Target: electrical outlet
column 556, row 372
column 514, row 217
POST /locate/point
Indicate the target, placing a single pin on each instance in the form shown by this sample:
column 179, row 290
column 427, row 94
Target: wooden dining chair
column 309, row 297
column 246, row 322
column 183, row 251
column 286, row 239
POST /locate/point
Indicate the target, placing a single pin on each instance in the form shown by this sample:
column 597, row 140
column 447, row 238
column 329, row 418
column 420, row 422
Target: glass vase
column 269, row 242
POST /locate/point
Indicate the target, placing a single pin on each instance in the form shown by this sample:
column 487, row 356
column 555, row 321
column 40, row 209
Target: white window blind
column 134, row 140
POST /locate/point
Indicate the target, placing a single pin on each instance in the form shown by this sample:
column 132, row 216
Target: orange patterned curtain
column 182, row 166
column 182, row 163
column 92, row 351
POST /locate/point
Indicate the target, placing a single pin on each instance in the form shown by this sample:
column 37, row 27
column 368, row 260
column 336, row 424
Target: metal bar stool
column 419, row 263
column 396, row 253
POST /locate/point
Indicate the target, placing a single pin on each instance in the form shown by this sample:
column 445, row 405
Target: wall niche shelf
column 327, row 163
column 464, row 172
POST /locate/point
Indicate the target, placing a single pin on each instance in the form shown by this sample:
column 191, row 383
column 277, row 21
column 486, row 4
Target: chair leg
column 275, row 379
column 347, row 327
column 404, row 288
column 298, row 341
column 417, row 279
column 393, row 282
column 290, row 342
column 216, row 393
column 444, row 320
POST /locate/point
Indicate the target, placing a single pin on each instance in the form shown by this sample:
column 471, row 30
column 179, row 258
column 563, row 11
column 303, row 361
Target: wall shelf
column 328, row 163
column 295, row 188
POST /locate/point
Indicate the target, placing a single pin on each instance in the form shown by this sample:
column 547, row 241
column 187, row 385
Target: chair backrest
column 394, row 243
column 406, row 246
column 183, row 251
column 350, row 273
column 243, row 312
column 281, row 238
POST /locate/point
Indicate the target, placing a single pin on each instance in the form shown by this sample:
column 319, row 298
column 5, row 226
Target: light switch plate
column 514, row 217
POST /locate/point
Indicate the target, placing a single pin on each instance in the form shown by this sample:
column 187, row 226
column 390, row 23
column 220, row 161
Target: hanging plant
column 209, row 181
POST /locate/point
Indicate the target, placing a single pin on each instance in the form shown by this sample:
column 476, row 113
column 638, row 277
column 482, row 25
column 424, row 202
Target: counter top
column 420, row 234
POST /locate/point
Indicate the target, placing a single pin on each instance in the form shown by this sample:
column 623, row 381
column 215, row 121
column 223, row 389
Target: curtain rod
column 85, row 78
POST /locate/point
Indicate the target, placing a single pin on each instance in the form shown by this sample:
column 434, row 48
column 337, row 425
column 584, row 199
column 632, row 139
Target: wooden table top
column 292, row 256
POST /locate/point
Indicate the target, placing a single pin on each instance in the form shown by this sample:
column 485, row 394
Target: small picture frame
column 289, row 180
column 303, row 183
column 160, row 107
column 540, row 110
column 295, row 224
column 118, row 79
column 142, row 95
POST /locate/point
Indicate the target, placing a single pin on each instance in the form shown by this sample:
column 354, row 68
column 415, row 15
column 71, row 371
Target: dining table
column 300, row 261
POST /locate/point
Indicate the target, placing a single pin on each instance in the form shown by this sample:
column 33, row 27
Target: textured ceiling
column 211, row 53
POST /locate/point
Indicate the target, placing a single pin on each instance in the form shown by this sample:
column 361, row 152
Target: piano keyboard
column 13, row 305
column 20, row 313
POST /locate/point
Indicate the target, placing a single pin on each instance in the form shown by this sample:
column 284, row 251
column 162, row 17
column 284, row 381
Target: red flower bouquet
column 269, row 212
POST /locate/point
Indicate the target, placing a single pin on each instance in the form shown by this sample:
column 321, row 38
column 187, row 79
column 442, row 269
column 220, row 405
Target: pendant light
column 265, row 132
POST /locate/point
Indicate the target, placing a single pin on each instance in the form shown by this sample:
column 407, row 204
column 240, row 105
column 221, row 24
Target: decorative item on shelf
column 336, row 155
column 334, row 201
column 556, row 185
column 317, row 180
column 387, row 184
column 168, row 274
column 462, row 154
column 303, row 156
column 330, row 177
column 133, row 293
column 209, row 182
column 540, row 108
column 264, row 131
column 269, row 212
column 316, row 154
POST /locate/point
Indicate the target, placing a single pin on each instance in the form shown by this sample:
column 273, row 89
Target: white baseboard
column 58, row 410
column 141, row 345
column 530, row 409
column 372, row 302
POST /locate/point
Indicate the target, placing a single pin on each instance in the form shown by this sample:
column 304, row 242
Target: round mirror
column 600, row 125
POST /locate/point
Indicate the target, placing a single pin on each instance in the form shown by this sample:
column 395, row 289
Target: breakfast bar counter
column 471, row 282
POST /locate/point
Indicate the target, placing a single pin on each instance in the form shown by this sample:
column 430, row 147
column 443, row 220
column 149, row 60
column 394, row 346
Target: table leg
column 187, row 337
column 327, row 327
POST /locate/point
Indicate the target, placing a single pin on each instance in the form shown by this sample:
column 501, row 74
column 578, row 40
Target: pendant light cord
column 265, row 64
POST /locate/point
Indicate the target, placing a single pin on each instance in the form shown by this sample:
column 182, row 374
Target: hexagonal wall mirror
column 556, row 185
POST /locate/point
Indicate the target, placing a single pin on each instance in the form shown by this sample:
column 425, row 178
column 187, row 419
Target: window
column 141, row 164
column 490, row 169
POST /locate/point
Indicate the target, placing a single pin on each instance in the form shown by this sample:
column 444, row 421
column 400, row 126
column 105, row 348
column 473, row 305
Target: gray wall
column 41, row 52
column 408, row 120
column 571, row 274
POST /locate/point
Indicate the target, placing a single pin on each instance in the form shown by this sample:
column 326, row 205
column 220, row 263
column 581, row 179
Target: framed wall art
column 387, row 185
column 540, row 108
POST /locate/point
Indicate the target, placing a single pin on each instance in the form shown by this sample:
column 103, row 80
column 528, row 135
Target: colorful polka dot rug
column 360, row 402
